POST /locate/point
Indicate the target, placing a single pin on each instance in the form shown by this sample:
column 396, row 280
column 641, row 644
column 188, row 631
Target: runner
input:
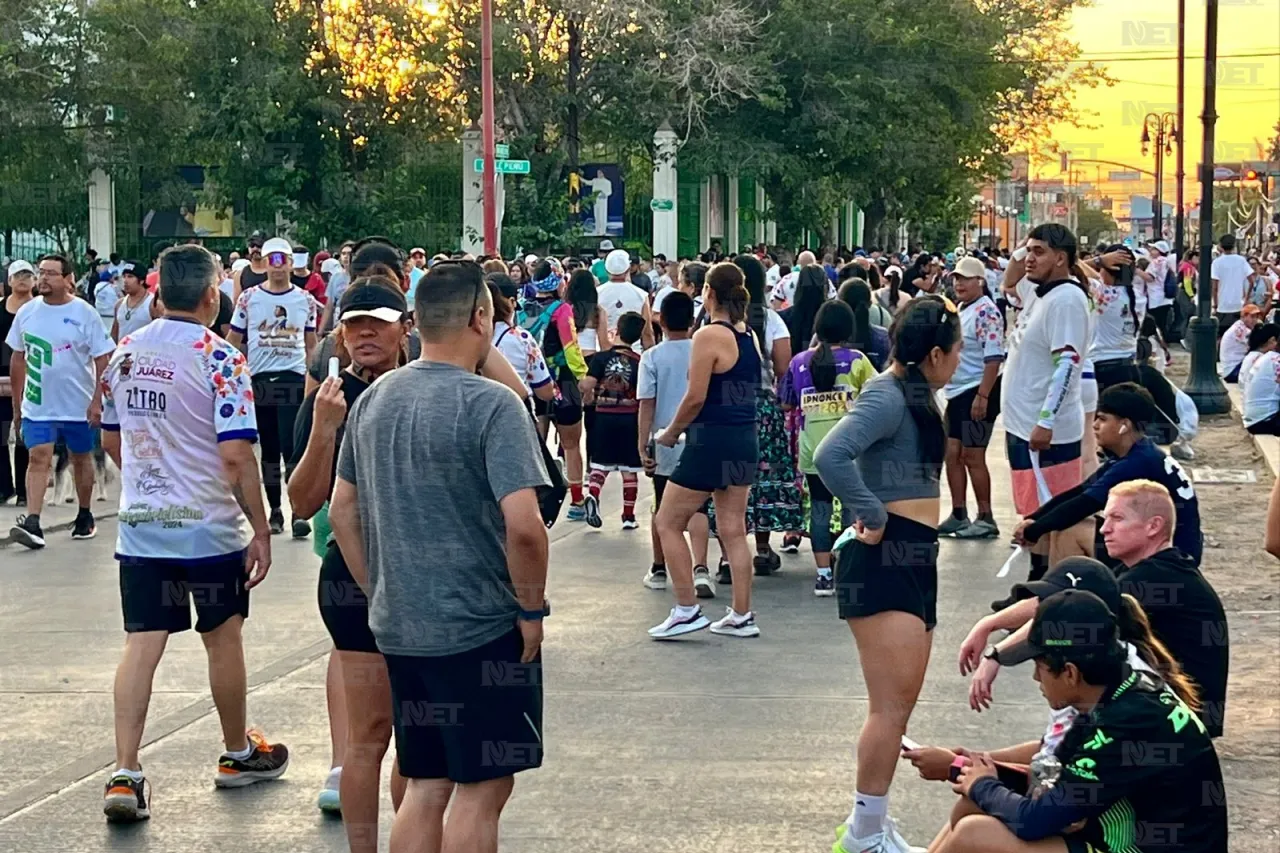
column 717, row 417
column 1232, row 279
column 1116, row 309
column 438, row 461
column 612, row 445
column 973, row 403
column 663, row 381
column 59, row 352
column 882, row 461
column 133, row 311
column 279, row 320
column 620, row 295
column 13, row 480
column 359, row 697
column 821, row 385
column 255, row 272
column 179, row 422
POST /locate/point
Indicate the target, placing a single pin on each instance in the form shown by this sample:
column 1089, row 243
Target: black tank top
column 731, row 396
column 249, row 278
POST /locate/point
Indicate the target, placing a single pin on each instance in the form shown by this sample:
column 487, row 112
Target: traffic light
column 1250, row 174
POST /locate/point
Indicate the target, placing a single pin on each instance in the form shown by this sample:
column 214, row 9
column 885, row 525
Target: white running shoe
column 736, row 626
column 703, row 585
column 629, row 523
column 888, row 840
column 675, row 625
column 655, row 579
column 329, row 800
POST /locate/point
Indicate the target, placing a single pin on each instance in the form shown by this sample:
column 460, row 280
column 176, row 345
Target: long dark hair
column 924, row 323
column 895, row 284
column 757, row 314
column 726, row 282
column 581, row 294
column 1124, row 278
column 811, row 292
column 915, row 271
column 1135, row 628
column 833, row 325
column 857, row 295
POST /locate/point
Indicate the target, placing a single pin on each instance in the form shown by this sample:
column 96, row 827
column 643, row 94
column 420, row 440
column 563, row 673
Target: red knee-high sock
column 630, row 485
column 597, row 482
column 575, row 492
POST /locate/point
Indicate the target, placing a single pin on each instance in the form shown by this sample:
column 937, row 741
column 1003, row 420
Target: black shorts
column 612, row 442
column 344, row 609
column 718, row 456
column 900, row 573
column 469, row 717
column 660, row 486
column 566, row 408
column 961, row 425
column 156, row 595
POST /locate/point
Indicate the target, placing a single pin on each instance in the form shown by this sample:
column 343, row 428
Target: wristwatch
column 536, row 615
column 992, row 653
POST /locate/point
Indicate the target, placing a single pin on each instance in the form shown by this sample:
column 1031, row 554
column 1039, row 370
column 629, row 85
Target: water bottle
column 1045, row 770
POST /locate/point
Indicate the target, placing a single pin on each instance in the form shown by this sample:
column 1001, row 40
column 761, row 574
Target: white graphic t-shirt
column 60, row 343
column 275, row 326
column 1054, row 322
column 174, row 391
column 1115, row 322
column 982, row 328
column 522, row 351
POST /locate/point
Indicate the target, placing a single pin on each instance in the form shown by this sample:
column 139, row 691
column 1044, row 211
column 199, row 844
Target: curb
column 7, row 538
column 1268, row 445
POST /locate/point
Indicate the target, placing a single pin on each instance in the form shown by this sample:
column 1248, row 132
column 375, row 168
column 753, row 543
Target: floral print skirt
column 775, row 501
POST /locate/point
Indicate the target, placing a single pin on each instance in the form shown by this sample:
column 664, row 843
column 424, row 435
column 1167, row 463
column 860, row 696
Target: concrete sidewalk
column 704, row 744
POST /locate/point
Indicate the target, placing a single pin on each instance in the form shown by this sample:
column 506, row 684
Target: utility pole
column 1179, row 222
column 490, row 182
column 1204, row 386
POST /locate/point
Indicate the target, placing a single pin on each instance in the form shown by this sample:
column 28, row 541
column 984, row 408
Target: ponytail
column 822, row 367
column 1136, row 628
column 834, row 325
column 727, row 285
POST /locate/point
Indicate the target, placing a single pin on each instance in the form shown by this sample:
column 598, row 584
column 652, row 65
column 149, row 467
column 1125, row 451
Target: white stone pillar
column 849, row 235
column 666, row 180
column 760, row 235
column 473, row 194
column 861, row 227
column 771, row 233
column 732, row 233
column 704, row 215
column 102, row 213
column 835, row 227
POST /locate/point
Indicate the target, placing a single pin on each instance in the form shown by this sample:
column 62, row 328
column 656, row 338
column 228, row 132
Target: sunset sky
column 1136, row 40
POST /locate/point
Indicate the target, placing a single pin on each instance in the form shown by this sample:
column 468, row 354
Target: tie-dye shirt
column 174, row 391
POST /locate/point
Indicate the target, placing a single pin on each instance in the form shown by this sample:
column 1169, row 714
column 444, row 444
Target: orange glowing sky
column 1136, row 41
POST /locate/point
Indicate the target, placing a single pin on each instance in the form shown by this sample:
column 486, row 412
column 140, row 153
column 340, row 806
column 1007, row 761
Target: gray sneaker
column 952, row 525
column 980, row 529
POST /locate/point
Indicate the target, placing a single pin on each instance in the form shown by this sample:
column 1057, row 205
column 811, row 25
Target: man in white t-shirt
column 1232, row 277
column 785, row 289
column 1041, row 403
column 59, row 352
column 180, row 422
column 619, row 296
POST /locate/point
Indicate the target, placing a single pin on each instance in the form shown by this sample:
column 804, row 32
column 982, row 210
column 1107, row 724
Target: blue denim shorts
column 77, row 435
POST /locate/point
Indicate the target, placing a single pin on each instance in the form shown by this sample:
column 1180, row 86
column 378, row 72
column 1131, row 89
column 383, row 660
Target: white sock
column 867, row 817
column 691, row 610
column 135, row 775
column 739, row 617
column 242, row 754
column 824, row 572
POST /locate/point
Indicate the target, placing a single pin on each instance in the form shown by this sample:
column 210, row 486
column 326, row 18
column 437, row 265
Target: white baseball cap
column 617, row 262
column 1161, row 245
column 970, row 267
column 329, row 267
column 530, row 260
column 300, row 260
column 277, row 244
column 606, row 245
column 239, row 264
column 20, row 266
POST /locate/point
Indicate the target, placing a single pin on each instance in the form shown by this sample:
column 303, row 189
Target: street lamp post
column 1179, row 222
column 1164, row 127
column 489, row 182
column 1204, row 387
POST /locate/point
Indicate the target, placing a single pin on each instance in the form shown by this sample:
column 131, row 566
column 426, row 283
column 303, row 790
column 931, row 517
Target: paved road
column 650, row 747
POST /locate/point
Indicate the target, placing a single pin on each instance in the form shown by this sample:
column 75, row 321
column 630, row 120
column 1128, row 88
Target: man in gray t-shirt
column 436, row 512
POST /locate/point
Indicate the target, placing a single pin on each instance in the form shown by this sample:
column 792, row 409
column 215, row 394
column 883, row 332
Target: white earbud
column 1123, row 429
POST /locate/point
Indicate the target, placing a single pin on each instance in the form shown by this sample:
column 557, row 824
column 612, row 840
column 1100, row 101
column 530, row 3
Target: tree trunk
column 873, row 219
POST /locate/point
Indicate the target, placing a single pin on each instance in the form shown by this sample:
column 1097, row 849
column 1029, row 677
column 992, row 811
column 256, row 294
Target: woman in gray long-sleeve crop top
column 883, row 461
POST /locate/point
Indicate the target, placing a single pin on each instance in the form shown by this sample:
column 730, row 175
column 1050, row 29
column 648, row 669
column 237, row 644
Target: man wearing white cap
column 418, row 268
column 1158, row 303
column 618, row 295
column 277, row 321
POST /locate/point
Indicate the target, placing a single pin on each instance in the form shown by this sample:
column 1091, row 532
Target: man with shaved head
column 785, row 290
column 1185, row 612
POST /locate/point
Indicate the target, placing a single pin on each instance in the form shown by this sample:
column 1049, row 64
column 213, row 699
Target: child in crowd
column 613, row 442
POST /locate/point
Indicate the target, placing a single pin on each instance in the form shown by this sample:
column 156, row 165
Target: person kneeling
column 1133, row 769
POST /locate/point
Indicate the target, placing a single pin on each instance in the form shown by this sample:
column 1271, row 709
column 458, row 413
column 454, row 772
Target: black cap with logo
column 1074, row 624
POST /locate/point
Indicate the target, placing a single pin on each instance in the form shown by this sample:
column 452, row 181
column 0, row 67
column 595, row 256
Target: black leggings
column 13, row 478
column 1113, row 372
column 278, row 396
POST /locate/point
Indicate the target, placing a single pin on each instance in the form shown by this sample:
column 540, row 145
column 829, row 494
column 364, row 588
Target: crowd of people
column 406, row 406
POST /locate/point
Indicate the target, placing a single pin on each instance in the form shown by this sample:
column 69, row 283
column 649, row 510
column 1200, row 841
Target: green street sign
column 658, row 205
column 506, row 167
column 502, row 150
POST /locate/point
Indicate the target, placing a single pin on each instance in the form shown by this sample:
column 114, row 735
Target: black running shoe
column 27, row 532
column 301, row 528
column 767, row 563
column 1001, row 603
column 267, row 761
column 723, row 575
column 126, row 800
column 277, row 522
column 85, row 527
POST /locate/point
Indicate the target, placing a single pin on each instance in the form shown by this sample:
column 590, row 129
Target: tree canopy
column 342, row 116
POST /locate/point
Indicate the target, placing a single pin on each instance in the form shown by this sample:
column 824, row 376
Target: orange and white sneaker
column 126, row 799
column 265, row 761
